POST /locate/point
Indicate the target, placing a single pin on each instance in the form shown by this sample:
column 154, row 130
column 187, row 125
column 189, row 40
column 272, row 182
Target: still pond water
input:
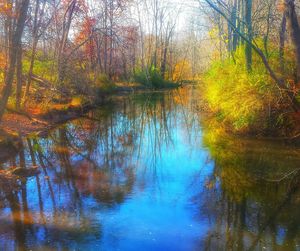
column 147, row 173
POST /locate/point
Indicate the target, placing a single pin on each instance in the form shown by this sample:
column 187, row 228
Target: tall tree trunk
column 15, row 44
column 19, row 79
column 65, row 34
column 294, row 28
column 30, row 72
column 111, row 23
column 242, row 15
column 165, row 53
column 105, row 56
column 164, row 62
column 266, row 37
column 282, row 32
column 229, row 44
column 237, row 23
column 220, row 34
column 248, row 21
column 34, row 46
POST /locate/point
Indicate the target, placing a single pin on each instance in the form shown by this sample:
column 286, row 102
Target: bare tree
column 14, row 50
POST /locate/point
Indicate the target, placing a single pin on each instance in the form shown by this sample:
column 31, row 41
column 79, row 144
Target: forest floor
column 17, row 124
column 34, row 121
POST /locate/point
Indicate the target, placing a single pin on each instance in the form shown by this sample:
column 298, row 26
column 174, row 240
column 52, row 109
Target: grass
column 42, row 67
column 244, row 101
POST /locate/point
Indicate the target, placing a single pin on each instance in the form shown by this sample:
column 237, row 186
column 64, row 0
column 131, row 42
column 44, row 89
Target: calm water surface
column 145, row 173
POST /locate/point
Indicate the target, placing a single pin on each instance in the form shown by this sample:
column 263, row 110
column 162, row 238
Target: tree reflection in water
column 86, row 165
column 141, row 172
column 253, row 193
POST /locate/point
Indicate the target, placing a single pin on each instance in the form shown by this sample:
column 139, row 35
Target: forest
column 244, row 55
column 54, row 50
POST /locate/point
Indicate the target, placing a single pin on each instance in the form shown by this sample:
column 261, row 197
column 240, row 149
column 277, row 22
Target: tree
column 248, row 22
column 14, row 51
column 292, row 19
column 282, row 32
column 37, row 31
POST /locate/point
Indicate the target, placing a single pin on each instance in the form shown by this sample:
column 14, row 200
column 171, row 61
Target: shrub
column 240, row 99
column 152, row 78
column 76, row 81
column 103, row 83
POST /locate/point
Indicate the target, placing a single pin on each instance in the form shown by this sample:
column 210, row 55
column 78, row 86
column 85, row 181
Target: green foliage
column 43, row 68
column 152, row 78
column 238, row 98
column 80, row 81
column 104, row 83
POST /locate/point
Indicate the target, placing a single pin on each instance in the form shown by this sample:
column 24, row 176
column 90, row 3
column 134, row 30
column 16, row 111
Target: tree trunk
column 248, row 48
column 229, row 47
column 15, row 44
column 111, row 23
column 164, row 62
column 34, row 46
column 65, row 34
column 266, row 37
column 282, row 32
column 30, row 72
column 19, row 79
column 105, row 56
column 292, row 20
column 236, row 22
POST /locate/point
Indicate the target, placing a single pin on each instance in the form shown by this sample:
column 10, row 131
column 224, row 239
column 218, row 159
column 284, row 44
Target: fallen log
column 47, row 84
column 41, row 81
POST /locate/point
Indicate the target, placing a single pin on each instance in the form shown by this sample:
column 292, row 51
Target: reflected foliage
column 253, row 193
column 86, row 167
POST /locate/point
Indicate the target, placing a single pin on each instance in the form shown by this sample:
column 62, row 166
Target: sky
column 187, row 12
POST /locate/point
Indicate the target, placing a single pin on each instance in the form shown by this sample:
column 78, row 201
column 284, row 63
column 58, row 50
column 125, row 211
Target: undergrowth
column 245, row 101
column 152, row 78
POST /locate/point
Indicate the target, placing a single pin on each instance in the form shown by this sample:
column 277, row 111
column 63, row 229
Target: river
column 146, row 172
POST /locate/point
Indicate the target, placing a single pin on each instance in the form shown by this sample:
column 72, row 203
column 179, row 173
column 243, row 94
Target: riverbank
column 36, row 121
column 15, row 126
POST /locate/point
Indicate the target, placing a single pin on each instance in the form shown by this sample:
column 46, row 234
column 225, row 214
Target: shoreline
column 16, row 126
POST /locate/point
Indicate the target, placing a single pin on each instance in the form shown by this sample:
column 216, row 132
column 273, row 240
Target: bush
column 152, row 78
column 240, row 99
column 104, row 83
column 76, row 80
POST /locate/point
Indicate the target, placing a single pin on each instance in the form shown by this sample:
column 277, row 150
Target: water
column 146, row 173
